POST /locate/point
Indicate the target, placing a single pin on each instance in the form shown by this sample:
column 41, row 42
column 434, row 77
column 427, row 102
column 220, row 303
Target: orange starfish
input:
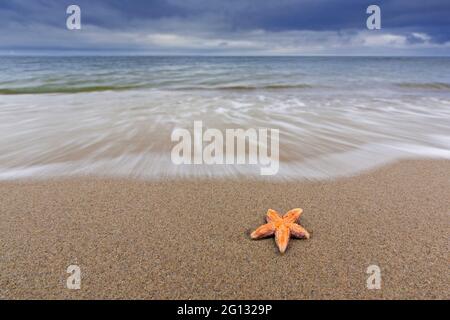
column 283, row 227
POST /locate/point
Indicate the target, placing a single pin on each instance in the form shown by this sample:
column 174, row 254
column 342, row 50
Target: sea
column 113, row 116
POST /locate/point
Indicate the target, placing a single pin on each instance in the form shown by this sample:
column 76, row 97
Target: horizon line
column 87, row 54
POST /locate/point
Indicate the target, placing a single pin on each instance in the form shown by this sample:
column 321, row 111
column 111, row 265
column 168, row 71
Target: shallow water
column 115, row 115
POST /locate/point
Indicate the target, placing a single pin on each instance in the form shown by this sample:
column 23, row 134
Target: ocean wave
column 249, row 87
column 129, row 132
column 425, row 85
column 96, row 88
column 49, row 89
column 153, row 166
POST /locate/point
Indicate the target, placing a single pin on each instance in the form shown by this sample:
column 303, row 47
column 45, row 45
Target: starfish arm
column 282, row 237
column 292, row 215
column 273, row 216
column 263, row 231
column 298, row 231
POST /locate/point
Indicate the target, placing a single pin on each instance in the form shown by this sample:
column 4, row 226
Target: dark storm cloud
column 218, row 22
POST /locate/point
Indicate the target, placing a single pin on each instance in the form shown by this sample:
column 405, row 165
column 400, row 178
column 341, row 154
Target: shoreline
column 189, row 238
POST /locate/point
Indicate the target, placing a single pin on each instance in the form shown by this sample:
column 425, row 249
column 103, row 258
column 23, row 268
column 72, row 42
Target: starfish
column 283, row 228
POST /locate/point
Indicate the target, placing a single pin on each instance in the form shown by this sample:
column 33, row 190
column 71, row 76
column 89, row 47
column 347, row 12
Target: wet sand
column 189, row 239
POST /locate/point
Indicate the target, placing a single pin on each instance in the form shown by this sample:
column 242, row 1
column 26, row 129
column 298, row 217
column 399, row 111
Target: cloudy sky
column 226, row 27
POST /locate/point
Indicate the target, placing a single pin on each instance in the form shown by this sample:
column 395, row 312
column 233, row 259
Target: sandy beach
column 189, row 239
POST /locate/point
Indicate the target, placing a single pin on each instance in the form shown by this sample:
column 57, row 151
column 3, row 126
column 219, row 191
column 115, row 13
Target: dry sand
column 189, row 239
